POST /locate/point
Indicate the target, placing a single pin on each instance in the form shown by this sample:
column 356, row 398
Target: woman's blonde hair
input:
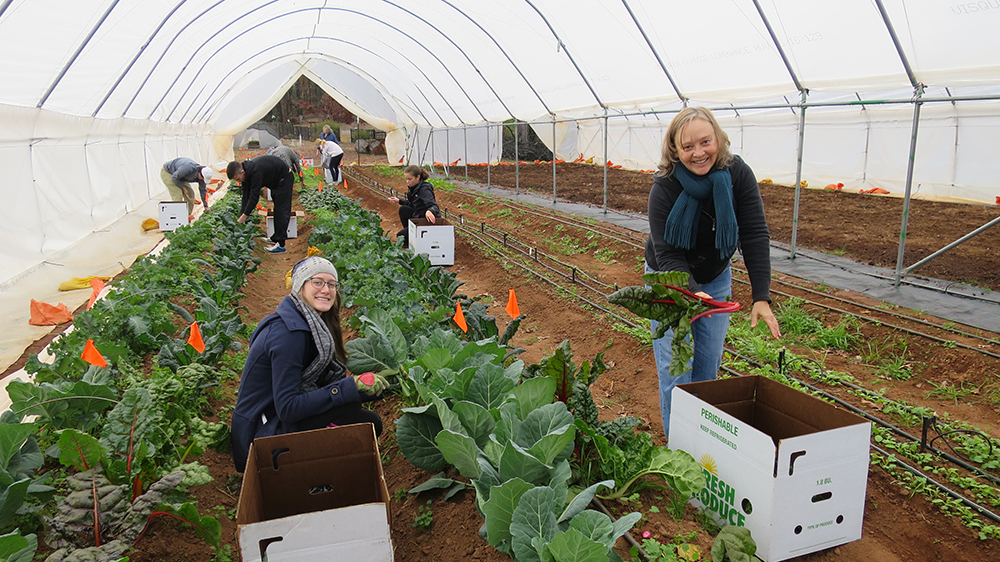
column 669, row 151
column 327, row 129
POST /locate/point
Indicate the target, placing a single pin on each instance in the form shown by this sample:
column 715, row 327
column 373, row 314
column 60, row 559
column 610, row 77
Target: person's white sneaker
column 276, row 249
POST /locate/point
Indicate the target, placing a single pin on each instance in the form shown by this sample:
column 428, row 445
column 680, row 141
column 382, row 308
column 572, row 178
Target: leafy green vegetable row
column 129, row 433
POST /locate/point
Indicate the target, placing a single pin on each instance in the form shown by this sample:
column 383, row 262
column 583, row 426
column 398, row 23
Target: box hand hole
column 322, row 489
column 264, row 543
column 822, row 497
column 791, row 461
column 274, row 456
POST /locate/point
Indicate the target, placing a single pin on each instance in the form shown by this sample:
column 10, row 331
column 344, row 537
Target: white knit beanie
column 309, row 267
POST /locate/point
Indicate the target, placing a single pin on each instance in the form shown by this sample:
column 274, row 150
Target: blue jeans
column 709, row 337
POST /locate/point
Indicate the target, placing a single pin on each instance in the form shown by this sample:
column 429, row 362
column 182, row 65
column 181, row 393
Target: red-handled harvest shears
column 717, row 307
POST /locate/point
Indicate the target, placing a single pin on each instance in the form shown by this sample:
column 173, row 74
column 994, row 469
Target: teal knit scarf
column 682, row 224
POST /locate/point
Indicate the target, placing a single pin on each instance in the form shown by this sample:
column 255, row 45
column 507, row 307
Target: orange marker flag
column 92, row 356
column 317, row 171
column 459, row 318
column 321, row 186
column 194, row 340
column 512, row 310
column 345, row 181
column 98, row 284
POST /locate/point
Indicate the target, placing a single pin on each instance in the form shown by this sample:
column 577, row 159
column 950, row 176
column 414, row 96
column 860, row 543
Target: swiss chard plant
column 663, row 299
column 612, row 449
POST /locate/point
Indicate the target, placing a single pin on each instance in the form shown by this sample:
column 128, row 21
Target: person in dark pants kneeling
column 419, row 202
column 270, row 172
column 295, row 378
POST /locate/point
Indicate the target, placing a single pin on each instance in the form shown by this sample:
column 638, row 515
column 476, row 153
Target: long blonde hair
column 669, row 151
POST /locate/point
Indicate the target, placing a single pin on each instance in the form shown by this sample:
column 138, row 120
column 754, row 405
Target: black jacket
column 421, row 198
column 263, row 171
column 703, row 262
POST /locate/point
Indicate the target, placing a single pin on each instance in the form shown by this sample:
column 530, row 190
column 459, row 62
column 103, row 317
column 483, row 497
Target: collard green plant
column 77, row 404
column 383, row 347
column 19, row 458
column 17, row 548
column 734, row 544
column 674, row 308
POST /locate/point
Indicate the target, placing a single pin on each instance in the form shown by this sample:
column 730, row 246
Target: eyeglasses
column 318, row 283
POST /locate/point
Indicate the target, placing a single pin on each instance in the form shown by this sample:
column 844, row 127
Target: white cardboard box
column 315, row 495
column 293, row 224
column 436, row 240
column 789, row 467
column 173, row 214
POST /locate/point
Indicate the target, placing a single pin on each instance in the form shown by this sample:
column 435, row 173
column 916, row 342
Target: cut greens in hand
column 675, row 308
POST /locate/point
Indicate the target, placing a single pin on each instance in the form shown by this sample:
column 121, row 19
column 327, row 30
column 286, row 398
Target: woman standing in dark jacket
column 704, row 201
column 294, row 378
column 419, row 201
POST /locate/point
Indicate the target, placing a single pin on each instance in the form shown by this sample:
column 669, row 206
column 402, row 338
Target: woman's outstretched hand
column 371, row 384
column 762, row 311
column 393, row 199
column 429, row 216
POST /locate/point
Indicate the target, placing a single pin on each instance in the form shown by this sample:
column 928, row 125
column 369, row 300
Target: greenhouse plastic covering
column 96, row 95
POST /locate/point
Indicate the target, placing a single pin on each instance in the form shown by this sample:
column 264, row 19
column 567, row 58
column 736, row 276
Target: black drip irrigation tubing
column 889, row 313
column 982, row 510
column 571, row 221
column 887, row 324
column 375, row 186
column 929, row 287
column 628, row 536
column 965, row 501
column 531, row 253
column 923, row 442
column 474, row 234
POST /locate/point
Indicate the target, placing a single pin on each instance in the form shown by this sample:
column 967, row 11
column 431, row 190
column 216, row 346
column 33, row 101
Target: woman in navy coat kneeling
column 295, row 378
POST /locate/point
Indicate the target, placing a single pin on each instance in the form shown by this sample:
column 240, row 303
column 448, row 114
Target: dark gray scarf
column 325, row 368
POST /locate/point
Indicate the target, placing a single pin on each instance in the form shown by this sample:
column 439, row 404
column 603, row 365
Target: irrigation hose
column 628, row 536
column 985, row 512
column 893, row 326
column 893, row 428
column 887, row 278
column 969, row 503
column 973, row 505
column 878, row 310
column 953, row 459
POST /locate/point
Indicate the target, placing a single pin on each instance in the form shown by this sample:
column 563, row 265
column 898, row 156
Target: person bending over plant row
column 295, row 378
column 419, row 202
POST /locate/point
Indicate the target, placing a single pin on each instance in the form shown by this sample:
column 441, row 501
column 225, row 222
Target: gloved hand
column 371, row 384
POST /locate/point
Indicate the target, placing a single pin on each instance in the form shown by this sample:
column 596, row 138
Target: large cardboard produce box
column 787, row 466
column 293, row 223
column 436, row 240
column 173, row 214
column 315, row 495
